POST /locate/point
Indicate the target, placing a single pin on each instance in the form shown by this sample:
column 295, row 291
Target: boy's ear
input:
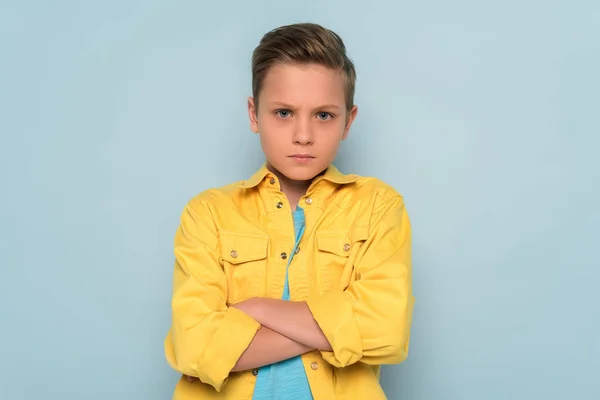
column 252, row 113
column 349, row 120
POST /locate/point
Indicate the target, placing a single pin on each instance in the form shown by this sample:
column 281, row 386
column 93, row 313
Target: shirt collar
column 331, row 174
column 257, row 178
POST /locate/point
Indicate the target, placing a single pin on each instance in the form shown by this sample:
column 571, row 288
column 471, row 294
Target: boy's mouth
column 302, row 158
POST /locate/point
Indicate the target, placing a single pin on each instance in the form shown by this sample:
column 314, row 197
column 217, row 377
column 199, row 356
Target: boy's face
column 301, row 118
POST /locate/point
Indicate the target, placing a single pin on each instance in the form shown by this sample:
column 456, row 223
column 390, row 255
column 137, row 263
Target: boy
column 296, row 283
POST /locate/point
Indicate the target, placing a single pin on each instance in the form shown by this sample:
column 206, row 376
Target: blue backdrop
column 485, row 115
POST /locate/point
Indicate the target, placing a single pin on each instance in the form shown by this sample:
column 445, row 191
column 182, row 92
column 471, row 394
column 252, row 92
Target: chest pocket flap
column 337, row 250
column 340, row 242
column 337, row 243
column 239, row 248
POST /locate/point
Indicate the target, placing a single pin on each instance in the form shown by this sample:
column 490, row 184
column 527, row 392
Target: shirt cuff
column 335, row 316
column 235, row 333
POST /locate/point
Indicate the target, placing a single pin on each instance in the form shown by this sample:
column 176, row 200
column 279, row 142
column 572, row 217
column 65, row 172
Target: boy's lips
column 302, row 158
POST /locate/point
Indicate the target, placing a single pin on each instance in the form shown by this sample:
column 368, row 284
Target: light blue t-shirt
column 285, row 380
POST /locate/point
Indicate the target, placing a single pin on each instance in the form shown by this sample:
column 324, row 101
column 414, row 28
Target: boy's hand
column 190, row 378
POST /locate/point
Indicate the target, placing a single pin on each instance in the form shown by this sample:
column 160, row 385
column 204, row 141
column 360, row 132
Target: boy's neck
column 292, row 189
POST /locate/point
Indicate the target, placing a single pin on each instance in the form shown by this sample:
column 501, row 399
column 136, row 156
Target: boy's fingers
column 190, row 378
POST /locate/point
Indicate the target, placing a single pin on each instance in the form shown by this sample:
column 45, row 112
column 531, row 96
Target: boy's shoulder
column 369, row 186
column 217, row 195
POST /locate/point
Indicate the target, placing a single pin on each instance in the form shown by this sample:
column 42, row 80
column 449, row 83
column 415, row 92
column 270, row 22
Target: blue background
column 485, row 115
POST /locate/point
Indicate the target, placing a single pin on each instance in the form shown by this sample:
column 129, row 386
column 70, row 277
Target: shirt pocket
column 337, row 251
column 244, row 259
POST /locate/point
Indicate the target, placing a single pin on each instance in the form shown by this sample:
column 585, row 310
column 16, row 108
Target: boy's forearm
column 289, row 318
column 269, row 347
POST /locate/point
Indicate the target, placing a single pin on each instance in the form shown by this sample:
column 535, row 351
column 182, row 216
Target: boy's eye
column 324, row 116
column 283, row 113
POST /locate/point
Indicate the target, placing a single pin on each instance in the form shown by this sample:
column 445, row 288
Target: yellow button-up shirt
column 353, row 269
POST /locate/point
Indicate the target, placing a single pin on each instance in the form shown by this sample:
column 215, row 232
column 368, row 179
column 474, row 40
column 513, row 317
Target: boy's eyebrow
column 330, row 106
column 324, row 106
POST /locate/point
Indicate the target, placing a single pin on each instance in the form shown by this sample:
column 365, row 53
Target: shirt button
column 297, row 250
column 284, row 255
column 280, row 205
column 233, row 254
column 346, row 247
column 314, row 366
column 308, row 201
column 255, row 372
column 272, row 181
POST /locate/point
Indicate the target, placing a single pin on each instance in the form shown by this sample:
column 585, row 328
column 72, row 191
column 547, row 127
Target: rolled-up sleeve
column 206, row 338
column 370, row 321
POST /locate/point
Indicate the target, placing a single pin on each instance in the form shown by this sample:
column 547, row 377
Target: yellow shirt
column 353, row 269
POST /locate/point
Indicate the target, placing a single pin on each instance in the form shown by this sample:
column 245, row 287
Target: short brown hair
column 305, row 44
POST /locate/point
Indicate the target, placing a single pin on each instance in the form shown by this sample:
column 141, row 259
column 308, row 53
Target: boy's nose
column 303, row 134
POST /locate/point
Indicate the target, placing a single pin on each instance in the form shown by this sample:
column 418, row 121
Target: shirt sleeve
column 206, row 338
column 370, row 320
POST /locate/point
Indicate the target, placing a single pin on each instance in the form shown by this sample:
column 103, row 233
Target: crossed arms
column 369, row 322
